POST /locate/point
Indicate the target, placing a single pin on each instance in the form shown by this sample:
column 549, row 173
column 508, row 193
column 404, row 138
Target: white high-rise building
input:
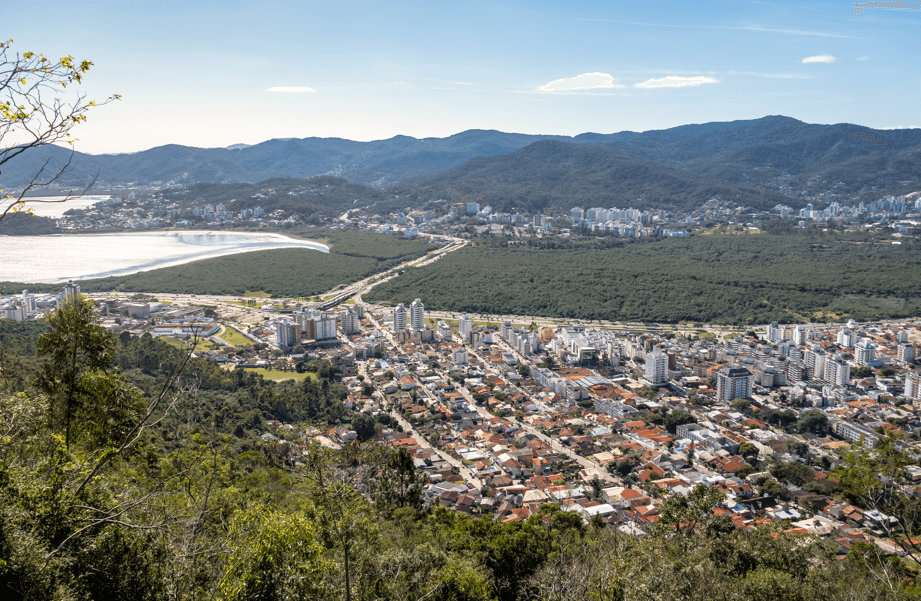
column 465, row 326
column 866, row 351
column 837, row 371
column 800, row 335
column 348, row 322
column 28, row 301
column 906, row 353
column 289, row 334
column 577, row 214
column 399, row 318
column 913, row 386
column 417, row 316
column 902, row 336
column 774, row 333
column 846, row 338
column 733, row 383
column 815, row 361
column 657, row 367
column 71, row 291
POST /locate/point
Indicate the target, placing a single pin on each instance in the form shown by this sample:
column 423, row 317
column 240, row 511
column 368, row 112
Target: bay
column 58, row 258
column 54, row 206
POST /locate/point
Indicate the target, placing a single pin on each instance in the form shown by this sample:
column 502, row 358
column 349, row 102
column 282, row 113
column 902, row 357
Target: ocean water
column 51, row 206
column 50, row 259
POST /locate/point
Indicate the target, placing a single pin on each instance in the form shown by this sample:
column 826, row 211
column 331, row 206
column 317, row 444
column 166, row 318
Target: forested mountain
column 379, row 163
column 754, row 153
column 560, row 175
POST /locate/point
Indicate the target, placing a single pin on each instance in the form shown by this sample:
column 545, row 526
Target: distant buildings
column 317, row 325
column 906, row 353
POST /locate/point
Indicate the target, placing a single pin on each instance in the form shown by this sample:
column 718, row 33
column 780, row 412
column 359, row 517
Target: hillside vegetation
column 812, row 275
column 149, row 489
column 559, row 175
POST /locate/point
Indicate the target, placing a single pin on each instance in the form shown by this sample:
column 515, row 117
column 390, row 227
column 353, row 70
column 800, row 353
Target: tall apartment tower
column 289, row 334
column 399, row 318
column 657, row 367
column 349, row 322
column 800, row 335
column 815, row 361
column 837, row 371
column 417, row 316
column 71, row 291
column 465, row 326
column 846, row 338
column 906, row 353
column 733, row 383
column 774, row 333
column 866, row 351
column 913, row 386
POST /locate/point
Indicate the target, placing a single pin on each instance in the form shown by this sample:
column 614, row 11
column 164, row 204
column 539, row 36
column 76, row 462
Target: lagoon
column 58, row 258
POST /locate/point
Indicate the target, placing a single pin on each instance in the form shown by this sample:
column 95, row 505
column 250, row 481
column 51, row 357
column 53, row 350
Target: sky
column 215, row 73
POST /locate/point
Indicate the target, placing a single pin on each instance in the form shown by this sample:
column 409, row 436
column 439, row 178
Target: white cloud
column 586, row 81
column 290, row 89
column 821, row 58
column 673, row 81
column 863, row 58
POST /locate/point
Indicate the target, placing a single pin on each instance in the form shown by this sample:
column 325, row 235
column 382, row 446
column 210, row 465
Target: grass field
column 277, row 374
column 234, row 337
column 203, row 345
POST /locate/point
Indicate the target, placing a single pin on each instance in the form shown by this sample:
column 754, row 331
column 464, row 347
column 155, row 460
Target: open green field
column 277, row 374
column 291, row 272
column 234, row 337
column 203, row 345
column 723, row 279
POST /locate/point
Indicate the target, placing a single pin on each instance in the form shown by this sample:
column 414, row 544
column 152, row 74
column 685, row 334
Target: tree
column 274, row 557
column 814, row 421
column 748, row 450
column 861, row 371
column 84, row 397
column 34, row 113
column 677, row 418
column 363, row 424
column 400, row 484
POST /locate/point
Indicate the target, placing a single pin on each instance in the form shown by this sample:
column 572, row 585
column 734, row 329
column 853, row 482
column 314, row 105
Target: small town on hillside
column 504, row 413
column 147, row 208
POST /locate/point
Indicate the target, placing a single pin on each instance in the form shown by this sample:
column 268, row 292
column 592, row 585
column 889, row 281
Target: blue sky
column 208, row 73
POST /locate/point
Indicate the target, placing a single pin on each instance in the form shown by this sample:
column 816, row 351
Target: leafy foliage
column 717, row 279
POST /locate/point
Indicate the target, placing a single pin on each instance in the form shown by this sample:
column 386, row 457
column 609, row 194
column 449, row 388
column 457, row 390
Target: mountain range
column 759, row 162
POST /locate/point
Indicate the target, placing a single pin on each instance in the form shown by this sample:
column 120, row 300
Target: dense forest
column 291, row 272
column 794, row 276
column 134, row 473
